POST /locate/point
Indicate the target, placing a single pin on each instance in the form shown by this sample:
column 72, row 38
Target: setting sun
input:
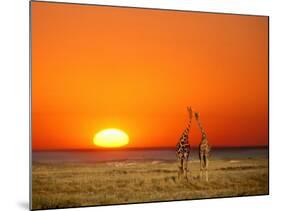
column 111, row 138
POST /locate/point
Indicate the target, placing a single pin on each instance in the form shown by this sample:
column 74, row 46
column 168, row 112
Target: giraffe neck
column 187, row 129
column 202, row 131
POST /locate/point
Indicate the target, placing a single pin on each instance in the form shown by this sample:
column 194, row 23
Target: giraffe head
column 189, row 110
column 196, row 114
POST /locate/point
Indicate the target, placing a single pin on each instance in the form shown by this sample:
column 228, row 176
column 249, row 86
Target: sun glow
column 111, row 138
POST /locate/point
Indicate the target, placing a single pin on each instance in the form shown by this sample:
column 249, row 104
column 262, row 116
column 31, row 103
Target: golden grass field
column 71, row 185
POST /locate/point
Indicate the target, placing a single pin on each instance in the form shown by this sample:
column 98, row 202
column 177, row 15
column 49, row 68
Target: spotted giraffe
column 204, row 149
column 183, row 148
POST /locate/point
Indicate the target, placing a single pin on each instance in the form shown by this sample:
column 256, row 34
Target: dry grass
column 72, row 185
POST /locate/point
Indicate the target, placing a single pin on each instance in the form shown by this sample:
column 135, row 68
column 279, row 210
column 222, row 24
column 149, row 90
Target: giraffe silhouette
column 204, row 150
column 183, row 148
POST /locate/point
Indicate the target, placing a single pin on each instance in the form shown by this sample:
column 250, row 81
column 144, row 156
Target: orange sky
column 96, row 67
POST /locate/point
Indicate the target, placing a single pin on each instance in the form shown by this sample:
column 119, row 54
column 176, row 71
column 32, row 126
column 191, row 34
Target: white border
column 14, row 110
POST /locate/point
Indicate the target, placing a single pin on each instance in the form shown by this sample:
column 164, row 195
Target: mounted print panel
column 134, row 105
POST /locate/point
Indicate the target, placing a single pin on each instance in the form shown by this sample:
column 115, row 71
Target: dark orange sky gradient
column 97, row 67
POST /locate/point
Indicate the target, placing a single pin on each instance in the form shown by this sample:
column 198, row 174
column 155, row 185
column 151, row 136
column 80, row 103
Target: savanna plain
column 58, row 185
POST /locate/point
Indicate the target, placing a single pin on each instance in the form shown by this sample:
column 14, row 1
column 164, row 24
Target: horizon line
column 143, row 148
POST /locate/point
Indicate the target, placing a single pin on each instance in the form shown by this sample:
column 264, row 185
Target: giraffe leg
column 206, row 168
column 201, row 166
column 186, row 170
column 180, row 172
